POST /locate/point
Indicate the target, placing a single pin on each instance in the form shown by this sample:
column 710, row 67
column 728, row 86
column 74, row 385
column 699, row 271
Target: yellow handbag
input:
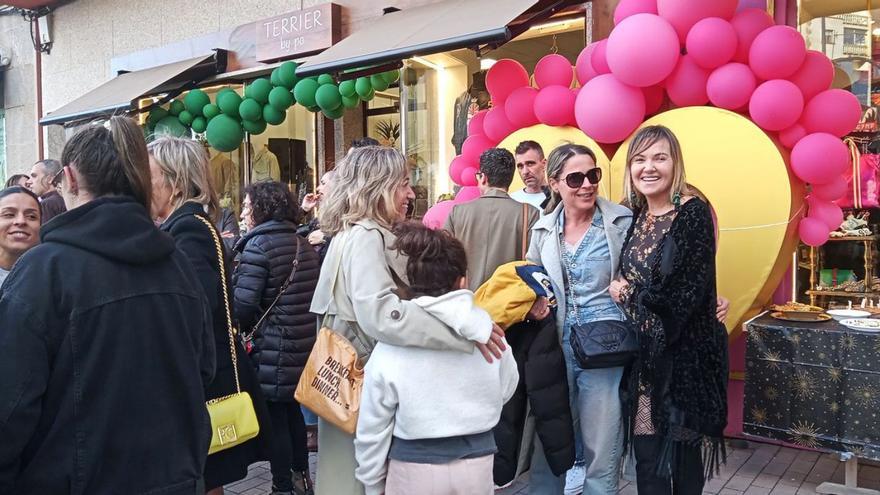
column 233, row 419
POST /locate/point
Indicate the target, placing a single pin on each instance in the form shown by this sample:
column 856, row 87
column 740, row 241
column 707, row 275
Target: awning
column 121, row 93
column 811, row 9
column 433, row 28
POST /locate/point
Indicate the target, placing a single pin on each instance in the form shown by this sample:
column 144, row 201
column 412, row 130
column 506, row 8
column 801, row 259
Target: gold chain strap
column 225, row 299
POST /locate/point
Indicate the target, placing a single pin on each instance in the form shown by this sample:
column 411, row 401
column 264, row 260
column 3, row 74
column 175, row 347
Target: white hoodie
column 414, row 393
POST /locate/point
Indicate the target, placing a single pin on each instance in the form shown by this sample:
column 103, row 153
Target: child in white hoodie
column 426, row 416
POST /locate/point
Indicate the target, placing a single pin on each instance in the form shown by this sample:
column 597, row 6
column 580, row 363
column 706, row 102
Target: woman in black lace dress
column 675, row 394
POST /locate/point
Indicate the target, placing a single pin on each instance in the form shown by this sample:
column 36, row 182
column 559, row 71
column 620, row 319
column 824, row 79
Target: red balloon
column 815, row 74
column 748, row 24
column 683, row 14
column 711, row 42
column 687, row 84
column 731, row 86
column 497, row 125
column 608, row 110
column 654, row 96
column 627, row 8
column 642, row 50
column 473, row 147
column 777, row 53
column 819, row 158
column 475, row 125
column 457, row 166
column 789, row 137
column 469, row 176
column 813, row 232
column 553, row 70
column 835, row 111
column 555, row 106
column 435, row 217
column 520, row 107
column 776, row 105
column 504, row 77
column 467, row 193
column 829, row 213
column 584, row 64
column 599, row 58
column 831, row 191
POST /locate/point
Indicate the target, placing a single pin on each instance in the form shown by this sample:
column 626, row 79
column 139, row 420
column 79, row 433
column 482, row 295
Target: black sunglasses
column 576, row 179
column 56, row 179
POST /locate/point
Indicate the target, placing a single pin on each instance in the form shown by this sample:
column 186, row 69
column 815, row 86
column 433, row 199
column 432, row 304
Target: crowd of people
column 132, row 303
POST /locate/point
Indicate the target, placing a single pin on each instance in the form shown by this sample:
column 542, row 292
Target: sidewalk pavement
column 759, row 469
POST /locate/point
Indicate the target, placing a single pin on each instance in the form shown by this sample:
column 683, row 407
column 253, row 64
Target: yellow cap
column 512, row 290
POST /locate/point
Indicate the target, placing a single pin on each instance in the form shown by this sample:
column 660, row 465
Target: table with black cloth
column 816, row 385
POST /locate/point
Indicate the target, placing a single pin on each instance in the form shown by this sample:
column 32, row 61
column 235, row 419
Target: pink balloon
column 748, row 23
column 835, row 111
column 815, row 74
column 789, row 137
column 829, row 213
column 435, row 217
column 642, row 50
column 504, row 77
column 467, row 193
column 572, row 119
column 654, row 96
column 608, row 110
column 553, row 70
column 497, row 125
column 473, row 146
column 711, row 42
column 831, row 191
column 475, row 125
column 813, row 232
column 683, row 14
column 687, row 84
column 599, row 58
column 584, row 64
column 555, row 105
column 777, row 53
column 457, row 166
column 469, row 176
column 731, row 86
column 819, row 158
column 628, row 8
column 520, row 107
column 776, row 105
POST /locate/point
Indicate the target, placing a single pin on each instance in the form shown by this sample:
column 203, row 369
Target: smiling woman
column 19, row 225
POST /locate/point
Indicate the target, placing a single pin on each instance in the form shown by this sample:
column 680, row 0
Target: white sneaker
column 574, row 480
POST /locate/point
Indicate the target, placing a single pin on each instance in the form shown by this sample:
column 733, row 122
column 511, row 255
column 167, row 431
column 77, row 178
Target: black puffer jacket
column 284, row 340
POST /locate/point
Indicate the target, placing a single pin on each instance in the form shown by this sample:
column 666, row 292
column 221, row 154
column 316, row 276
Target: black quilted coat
column 283, row 342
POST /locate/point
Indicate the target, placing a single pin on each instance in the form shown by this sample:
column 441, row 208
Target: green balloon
column 199, row 124
column 272, row 115
column 369, row 95
column 287, row 74
column 195, row 100
column 304, row 92
column 313, row 109
column 254, row 128
column 185, row 117
column 259, row 90
column 229, row 103
column 250, row 109
column 378, row 82
column 224, row 133
column 391, row 76
column 176, row 107
column 275, row 78
column 328, row 97
column 170, row 126
column 346, row 88
column 350, row 101
column 363, row 86
column 210, row 111
column 156, row 115
column 334, row 114
column 280, row 98
column 325, row 79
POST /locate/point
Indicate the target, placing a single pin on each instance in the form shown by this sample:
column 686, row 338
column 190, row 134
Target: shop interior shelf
column 866, row 238
column 841, row 293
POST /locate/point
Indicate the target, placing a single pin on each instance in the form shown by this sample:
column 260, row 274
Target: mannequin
column 265, row 165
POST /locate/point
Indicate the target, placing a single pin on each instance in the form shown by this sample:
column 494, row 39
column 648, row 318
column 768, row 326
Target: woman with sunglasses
column 579, row 241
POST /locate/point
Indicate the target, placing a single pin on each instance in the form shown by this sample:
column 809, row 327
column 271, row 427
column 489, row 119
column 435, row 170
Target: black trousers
column 288, row 443
column 687, row 472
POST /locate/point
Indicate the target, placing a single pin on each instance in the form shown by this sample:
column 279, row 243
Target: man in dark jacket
column 105, row 350
column 42, row 181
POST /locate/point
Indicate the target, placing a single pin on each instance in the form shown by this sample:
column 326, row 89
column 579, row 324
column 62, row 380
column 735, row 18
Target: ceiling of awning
column 811, row 9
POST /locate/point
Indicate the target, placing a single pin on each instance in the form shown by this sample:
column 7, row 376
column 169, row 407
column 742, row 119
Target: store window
column 382, row 117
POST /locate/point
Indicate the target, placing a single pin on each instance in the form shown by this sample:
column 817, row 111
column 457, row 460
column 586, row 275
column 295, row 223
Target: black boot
column 302, row 483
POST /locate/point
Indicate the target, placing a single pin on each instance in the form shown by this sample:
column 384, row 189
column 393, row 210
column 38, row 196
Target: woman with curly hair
column 274, row 284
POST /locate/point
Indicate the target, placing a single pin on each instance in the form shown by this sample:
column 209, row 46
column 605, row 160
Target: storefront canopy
column 811, row 9
column 432, row 28
column 121, row 93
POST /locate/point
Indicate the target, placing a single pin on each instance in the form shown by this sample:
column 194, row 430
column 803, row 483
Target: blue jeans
column 309, row 417
column 596, row 410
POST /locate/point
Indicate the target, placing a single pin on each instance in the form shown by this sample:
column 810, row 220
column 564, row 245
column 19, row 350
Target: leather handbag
column 233, row 418
column 604, row 344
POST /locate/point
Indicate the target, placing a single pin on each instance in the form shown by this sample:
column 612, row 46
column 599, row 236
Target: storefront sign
column 298, row 33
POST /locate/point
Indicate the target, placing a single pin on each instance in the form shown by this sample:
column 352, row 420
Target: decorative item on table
column 854, row 226
column 799, row 312
column 847, row 314
column 864, row 324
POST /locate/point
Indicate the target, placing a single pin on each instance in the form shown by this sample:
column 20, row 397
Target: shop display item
column 803, row 317
column 864, row 324
column 796, row 306
column 845, row 314
column 854, row 226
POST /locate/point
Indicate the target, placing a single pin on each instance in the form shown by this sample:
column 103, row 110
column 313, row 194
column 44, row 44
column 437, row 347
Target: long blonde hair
column 184, row 166
column 363, row 189
column 644, row 139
